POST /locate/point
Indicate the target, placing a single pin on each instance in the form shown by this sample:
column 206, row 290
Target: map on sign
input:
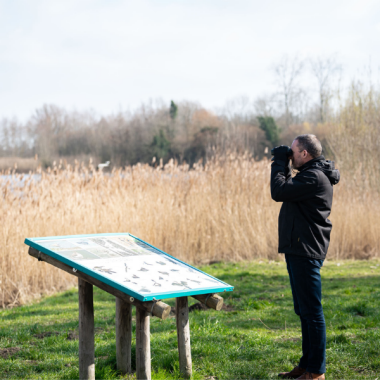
column 130, row 265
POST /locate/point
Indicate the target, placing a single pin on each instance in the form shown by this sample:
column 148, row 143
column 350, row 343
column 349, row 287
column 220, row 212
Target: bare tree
column 236, row 111
column 288, row 72
column 13, row 138
column 265, row 105
column 323, row 70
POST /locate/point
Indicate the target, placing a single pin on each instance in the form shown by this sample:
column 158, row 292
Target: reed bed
column 220, row 211
column 23, row 165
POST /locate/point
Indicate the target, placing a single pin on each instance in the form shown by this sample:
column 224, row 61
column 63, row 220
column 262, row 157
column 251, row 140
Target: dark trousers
column 305, row 280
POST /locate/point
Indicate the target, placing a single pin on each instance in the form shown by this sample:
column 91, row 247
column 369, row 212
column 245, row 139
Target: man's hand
column 282, row 153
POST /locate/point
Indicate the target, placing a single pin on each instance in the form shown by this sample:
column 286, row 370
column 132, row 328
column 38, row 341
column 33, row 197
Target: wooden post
column 143, row 370
column 123, row 335
column 183, row 336
column 86, row 331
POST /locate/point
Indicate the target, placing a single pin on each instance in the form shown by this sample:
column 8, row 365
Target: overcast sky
column 111, row 55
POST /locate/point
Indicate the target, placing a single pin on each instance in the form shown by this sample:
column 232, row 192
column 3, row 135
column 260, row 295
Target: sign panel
column 129, row 264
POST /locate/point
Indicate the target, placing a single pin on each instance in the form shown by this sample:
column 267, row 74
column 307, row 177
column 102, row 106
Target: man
column 304, row 236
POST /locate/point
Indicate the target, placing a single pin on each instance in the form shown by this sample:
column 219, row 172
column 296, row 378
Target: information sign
column 129, row 264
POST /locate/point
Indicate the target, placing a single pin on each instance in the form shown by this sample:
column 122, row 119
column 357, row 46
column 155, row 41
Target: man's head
column 305, row 148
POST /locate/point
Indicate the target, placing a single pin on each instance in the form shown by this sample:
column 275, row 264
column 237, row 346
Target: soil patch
column 226, row 307
column 5, row 353
column 72, row 335
column 202, row 307
column 198, row 306
column 46, row 334
column 32, row 362
column 360, row 370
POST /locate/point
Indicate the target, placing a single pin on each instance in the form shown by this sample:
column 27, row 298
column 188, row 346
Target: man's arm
column 287, row 189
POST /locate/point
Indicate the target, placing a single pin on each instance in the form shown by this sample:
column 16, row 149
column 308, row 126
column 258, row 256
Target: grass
column 258, row 337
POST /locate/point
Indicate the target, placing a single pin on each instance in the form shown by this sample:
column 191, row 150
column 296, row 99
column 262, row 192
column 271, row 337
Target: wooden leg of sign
column 123, row 335
column 86, row 331
column 183, row 335
column 143, row 371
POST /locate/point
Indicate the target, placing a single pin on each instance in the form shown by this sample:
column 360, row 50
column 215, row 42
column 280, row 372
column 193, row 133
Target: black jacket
column 303, row 225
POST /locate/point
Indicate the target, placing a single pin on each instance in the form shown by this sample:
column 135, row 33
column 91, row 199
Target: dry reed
column 23, row 165
column 221, row 211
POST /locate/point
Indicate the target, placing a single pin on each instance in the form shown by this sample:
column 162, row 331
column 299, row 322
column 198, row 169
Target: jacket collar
column 311, row 162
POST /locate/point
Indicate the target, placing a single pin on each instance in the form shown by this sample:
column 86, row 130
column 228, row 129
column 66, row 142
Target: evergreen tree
column 173, row 110
column 160, row 146
column 269, row 126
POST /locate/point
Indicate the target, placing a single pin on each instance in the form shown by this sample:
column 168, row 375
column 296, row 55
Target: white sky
column 111, row 55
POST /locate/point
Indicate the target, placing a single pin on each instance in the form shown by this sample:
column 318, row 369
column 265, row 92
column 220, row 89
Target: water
column 18, row 180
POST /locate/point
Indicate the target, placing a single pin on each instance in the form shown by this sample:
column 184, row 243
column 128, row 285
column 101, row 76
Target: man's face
column 300, row 156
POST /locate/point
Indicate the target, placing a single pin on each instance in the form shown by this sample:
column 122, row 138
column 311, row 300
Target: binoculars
column 289, row 153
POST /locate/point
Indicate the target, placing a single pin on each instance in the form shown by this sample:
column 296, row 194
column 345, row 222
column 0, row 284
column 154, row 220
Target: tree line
column 185, row 130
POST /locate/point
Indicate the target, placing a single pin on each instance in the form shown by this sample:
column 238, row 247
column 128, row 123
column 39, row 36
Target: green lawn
column 256, row 338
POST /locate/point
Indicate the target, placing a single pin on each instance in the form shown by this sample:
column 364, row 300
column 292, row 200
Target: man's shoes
column 293, row 374
column 311, row 376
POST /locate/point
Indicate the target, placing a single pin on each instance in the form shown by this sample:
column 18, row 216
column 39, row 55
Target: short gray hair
column 311, row 144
